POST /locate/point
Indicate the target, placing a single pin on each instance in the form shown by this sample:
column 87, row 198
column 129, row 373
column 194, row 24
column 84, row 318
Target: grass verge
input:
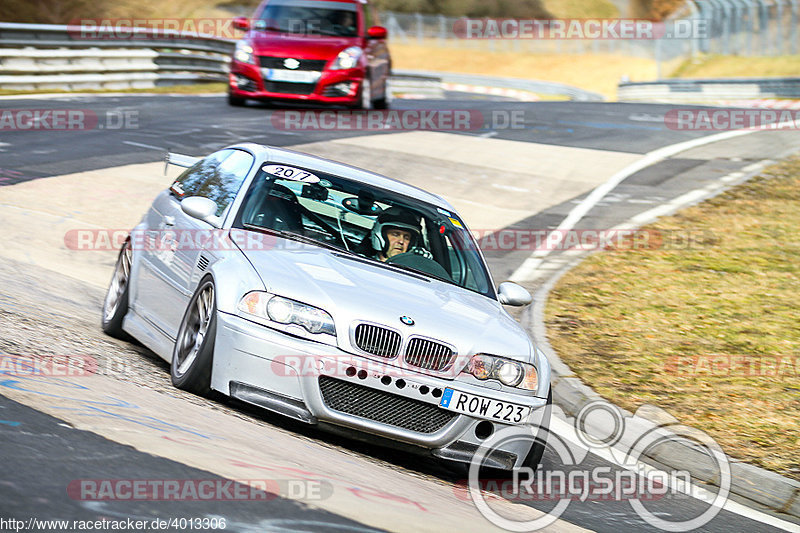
column 598, row 73
column 716, row 66
column 707, row 331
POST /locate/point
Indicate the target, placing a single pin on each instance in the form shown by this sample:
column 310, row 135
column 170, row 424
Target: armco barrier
column 40, row 56
column 43, row 56
column 708, row 90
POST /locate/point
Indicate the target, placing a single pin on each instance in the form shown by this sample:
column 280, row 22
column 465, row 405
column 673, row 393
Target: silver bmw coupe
column 333, row 296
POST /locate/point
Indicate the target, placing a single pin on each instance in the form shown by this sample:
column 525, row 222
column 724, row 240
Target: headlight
column 285, row 311
column 244, row 53
column 506, row 371
column 347, row 58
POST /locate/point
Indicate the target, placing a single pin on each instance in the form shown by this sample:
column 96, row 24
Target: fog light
column 344, row 88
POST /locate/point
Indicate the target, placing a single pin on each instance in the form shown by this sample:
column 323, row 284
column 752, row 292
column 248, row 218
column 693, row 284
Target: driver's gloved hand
column 422, row 251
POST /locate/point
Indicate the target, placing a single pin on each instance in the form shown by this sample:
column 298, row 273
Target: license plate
column 295, row 76
column 478, row 406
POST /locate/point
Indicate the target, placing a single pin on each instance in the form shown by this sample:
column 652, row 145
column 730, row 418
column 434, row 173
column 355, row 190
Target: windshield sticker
column 456, row 222
column 291, row 173
column 442, row 211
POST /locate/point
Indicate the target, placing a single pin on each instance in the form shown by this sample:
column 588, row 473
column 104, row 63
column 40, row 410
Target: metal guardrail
column 708, row 90
column 43, row 56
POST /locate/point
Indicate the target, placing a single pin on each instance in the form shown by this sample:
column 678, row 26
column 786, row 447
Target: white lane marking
column 527, row 268
column 567, row 431
column 509, row 188
column 140, row 145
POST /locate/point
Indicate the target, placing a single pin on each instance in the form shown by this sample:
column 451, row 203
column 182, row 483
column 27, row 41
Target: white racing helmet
column 395, row 217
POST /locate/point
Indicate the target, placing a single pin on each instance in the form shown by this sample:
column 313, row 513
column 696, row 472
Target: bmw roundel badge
column 407, row 320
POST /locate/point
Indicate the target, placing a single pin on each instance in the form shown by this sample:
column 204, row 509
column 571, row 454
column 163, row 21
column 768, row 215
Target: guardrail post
column 420, row 28
column 705, row 10
column 442, row 29
column 763, row 20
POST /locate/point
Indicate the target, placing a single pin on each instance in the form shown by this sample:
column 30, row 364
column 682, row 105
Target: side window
column 222, row 185
column 193, row 178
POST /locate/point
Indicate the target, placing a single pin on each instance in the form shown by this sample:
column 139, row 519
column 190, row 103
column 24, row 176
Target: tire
column 536, row 452
column 235, row 101
column 115, row 305
column 382, row 102
column 194, row 347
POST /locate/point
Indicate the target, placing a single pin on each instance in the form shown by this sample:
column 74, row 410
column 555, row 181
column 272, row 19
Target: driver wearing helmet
column 396, row 231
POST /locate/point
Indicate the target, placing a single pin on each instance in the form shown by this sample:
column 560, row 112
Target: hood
column 353, row 289
column 298, row 46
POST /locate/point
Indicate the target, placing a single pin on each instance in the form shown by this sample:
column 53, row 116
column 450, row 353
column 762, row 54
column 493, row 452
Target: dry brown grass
column 716, row 66
column 598, row 73
column 708, row 332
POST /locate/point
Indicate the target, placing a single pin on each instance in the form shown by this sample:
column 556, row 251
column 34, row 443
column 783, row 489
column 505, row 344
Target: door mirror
column 199, row 208
column 376, row 32
column 241, row 23
column 512, row 294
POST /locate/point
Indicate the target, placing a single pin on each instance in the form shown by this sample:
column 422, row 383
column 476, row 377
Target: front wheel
column 115, row 305
column 194, row 348
column 235, row 101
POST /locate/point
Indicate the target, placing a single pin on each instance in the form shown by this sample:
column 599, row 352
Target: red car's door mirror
column 376, row 32
column 241, row 23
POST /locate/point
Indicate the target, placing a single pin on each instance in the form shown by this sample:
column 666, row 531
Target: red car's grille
column 304, row 64
column 285, row 87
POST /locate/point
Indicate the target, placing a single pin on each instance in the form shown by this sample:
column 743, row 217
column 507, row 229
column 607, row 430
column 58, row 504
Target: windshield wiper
column 294, row 237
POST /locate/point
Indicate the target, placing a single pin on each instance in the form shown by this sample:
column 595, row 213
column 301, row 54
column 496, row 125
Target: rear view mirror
column 199, row 208
column 315, row 191
column 512, row 294
column 362, row 206
column 241, row 23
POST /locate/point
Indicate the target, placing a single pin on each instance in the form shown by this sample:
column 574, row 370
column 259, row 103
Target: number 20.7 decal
column 290, row 173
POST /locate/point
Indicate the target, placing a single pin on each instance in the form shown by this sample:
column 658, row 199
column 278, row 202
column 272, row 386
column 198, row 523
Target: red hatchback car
column 315, row 51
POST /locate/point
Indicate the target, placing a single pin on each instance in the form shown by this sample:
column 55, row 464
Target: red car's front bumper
column 334, row 87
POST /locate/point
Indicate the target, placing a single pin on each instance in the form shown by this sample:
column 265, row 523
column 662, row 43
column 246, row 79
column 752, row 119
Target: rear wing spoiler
column 179, row 160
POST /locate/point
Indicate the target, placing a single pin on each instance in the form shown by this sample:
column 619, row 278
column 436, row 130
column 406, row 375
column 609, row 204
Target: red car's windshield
column 309, row 17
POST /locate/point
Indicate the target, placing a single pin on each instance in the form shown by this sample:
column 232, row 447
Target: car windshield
column 381, row 226
column 305, row 17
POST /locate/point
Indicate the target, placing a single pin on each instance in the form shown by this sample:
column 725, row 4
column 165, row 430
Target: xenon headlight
column 506, row 371
column 285, row 311
column 347, row 58
column 244, row 52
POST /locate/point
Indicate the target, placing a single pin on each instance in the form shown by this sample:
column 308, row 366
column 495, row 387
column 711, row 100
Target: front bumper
column 288, row 375
column 246, row 81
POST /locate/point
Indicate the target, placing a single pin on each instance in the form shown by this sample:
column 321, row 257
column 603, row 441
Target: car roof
column 273, row 153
